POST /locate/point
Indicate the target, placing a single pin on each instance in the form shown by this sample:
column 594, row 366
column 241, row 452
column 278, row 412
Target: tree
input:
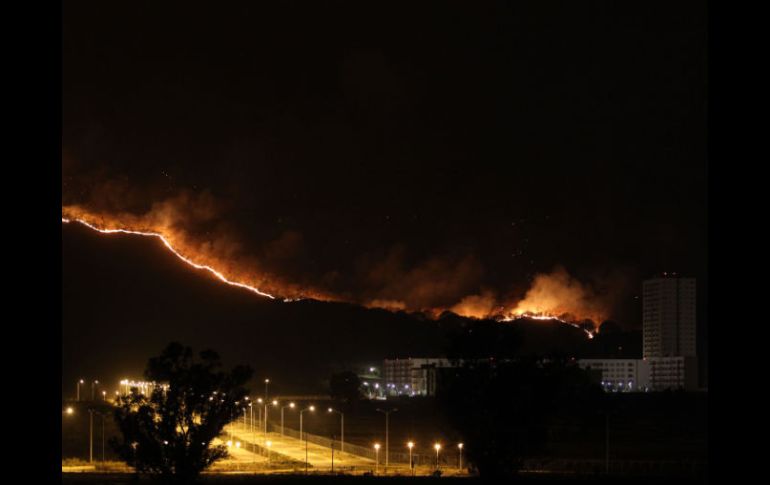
column 169, row 433
column 345, row 387
column 505, row 409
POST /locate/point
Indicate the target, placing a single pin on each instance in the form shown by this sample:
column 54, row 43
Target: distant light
column 410, row 445
column 269, row 443
column 291, row 404
column 267, row 381
column 70, row 410
column 275, row 402
column 229, row 443
column 460, row 445
column 371, row 369
column 376, row 446
column 437, row 446
column 330, row 409
column 312, row 408
column 237, row 444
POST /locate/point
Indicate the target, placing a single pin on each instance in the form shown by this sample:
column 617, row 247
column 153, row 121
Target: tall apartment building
column 668, row 306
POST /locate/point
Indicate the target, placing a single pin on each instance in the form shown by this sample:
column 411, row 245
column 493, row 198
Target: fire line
column 179, row 255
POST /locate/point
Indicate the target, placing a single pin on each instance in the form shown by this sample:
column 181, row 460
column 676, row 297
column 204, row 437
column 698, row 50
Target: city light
column 410, row 445
column 69, row 410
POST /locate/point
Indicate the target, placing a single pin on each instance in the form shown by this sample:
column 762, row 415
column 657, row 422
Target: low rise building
column 620, row 375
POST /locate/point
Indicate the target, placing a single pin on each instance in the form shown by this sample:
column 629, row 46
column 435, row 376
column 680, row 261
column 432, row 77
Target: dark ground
column 94, row 479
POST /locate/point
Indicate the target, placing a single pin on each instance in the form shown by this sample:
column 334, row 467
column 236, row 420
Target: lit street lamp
column 311, row 409
column 274, row 403
column 437, row 447
column 290, row 405
column 387, row 442
column 92, row 389
column 78, row 387
column 410, row 445
column 342, row 428
column 376, row 458
column 460, row 447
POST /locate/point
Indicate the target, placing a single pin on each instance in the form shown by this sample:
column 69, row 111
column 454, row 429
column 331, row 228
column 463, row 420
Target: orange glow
column 171, row 248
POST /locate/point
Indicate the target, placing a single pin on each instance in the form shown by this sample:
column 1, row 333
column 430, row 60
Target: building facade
column 620, row 375
column 669, row 334
column 668, row 306
column 412, row 377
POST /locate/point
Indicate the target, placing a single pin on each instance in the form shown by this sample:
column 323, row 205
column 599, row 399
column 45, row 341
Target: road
column 317, row 456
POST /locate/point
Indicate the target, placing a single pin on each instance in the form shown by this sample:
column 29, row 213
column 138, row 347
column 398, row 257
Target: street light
column 410, row 445
column 78, row 387
column 460, row 447
column 342, row 428
column 387, row 442
column 437, row 447
column 69, row 410
column 267, row 381
column 92, row 389
column 376, row 458
column 290, row 405
column 311, row 409
column 274, row 403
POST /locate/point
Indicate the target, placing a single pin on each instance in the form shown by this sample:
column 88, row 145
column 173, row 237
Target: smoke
column 560, row 295
column 484, row 305
column 204, row 228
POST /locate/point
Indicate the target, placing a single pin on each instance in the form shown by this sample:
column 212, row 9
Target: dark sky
column 374, row 152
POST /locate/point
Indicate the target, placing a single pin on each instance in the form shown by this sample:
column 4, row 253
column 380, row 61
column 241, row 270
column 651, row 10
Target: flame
column 532, row 316
column 171, row 248
column 546, row 300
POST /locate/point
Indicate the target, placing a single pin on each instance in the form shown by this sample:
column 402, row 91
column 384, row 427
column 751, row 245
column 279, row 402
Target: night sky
column 394, row 152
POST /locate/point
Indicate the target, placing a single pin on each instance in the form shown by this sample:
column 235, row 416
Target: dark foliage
column 168, row 434
column 345, row 388
column 505, row 407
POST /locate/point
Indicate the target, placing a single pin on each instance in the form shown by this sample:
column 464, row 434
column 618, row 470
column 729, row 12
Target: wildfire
column 171, row 248
column 531, row 316
column 553, row 297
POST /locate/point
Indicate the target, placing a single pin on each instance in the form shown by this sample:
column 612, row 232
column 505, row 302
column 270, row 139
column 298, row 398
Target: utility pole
column 387, row 442
column 607, row 443
column 90, row 436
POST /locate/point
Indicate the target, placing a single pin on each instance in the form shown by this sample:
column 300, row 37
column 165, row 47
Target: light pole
column 437, row 447
column 92, row 389
column 90, row 436
column 267, row 382
column 102, row 415
column 376, row 458
column 104, row 395
column 387, row 442
column 311, row 409
column 342, row 428
column 274, row 403
column 268, row 444
column 290, row 405
column 460, row 448
column 607, row 443
column 410, row 445
column 78, row 386
column 259, row 410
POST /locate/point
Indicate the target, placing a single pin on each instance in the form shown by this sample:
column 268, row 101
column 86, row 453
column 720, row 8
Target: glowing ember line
column 530, row 316
column 190, row 262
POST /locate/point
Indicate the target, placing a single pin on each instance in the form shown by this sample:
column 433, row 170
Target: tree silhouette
column 169, row 433
column 345, row 388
